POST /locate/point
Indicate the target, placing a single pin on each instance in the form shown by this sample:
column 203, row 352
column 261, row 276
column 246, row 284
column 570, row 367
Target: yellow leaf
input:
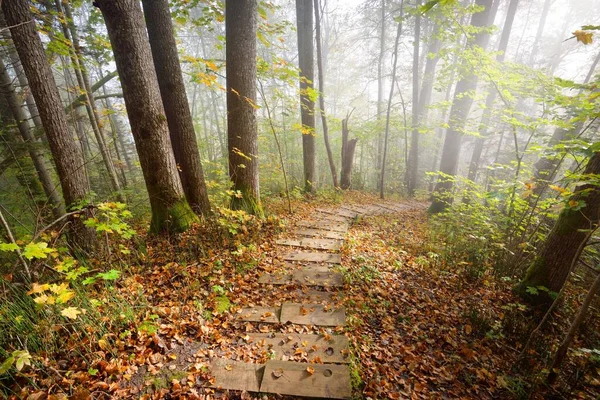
column 558, row 188
column 583, row 36
column 59, row 288
column 573, row 203
column 310, row 370
column 37, row 288
column 65, row 296
column 70, row 312
column 228, row 367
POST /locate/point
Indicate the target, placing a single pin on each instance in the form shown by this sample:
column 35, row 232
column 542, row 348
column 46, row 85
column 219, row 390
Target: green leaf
column 8, row 247
column 6, row 365
column 111, row 275
column 532, row 290
column 37, row 250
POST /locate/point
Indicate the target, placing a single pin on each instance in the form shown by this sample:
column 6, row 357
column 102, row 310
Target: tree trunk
column 540, row 30
column 70, row 32
column 125, row 25
column 380, row 90
column 550, row 268
column 461, row 106
column 491, row 97
column 242, row 134
column 321, row 73
column 304, row 22
column 174, row 98
column 36, row 154
column 65, row 151
column 413, row 157
column 389, row 105
column 348, row 149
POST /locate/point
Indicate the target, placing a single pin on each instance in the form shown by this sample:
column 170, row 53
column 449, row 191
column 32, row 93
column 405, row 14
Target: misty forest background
column 201, row 125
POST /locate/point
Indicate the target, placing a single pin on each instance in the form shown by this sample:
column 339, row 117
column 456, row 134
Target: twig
column 12, row 240
column 15, row 26
column 56, row 221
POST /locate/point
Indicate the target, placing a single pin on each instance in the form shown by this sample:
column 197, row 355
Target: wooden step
column 327, row 225
column 309, row 380
column 349, row 215
column 313, row 257
column 236, row 375
column 330, row 217
column 312, row 243
column 310, row 232
column 303, row 347
column 260, row 314
column 312, row 314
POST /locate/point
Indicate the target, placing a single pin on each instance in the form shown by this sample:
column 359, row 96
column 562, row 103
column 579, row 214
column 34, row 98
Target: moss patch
column 177, row 218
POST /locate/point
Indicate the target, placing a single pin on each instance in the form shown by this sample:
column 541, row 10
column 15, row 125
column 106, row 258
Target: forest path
column 317, row 321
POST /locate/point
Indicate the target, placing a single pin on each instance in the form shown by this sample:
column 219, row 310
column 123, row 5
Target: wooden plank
column 316, row 296
column 303, row 347
column 260, row 314
column 327, row 225
column 349, row 215
column 354, row 209
column 236, row 375
column 319, row 232
column 318, row 278
column 313, row 257
column 330, row 217
column 275, row 279
column 292, row 378
column 312, row 314
column 292, row 267
column 312, row 243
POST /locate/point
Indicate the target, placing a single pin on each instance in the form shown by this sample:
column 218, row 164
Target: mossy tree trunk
column 551, row 267
column 174, row 99
column 242, row 131
column 67, row 154
column 125, row 24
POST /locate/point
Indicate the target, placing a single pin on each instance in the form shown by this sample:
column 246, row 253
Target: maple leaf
column 70, row 312
column 583, row 36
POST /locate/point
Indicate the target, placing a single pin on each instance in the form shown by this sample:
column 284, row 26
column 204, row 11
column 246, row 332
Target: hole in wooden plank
column 329, row 351
column 278, row 373
column 328, row 373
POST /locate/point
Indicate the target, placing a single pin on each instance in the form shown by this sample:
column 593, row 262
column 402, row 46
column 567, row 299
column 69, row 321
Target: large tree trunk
column 37, row 155
column 304, row 22
column 550, row 268
column 348, row 149
column 413, row 157
column 320, row 68
column 174, row 98
column 491, row 97
column 461, row 106
column 242, row 134
column 65, row 151
column 125, row 25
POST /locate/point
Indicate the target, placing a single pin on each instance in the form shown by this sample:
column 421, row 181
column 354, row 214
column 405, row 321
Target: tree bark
column 304, row 22
column 125, row 25
column 380, row 90
column 242, row 130
column 491, row 97
column 461, row 106
column 321, row 73
column 550, row 268
column 348, row 149
column 65, row 151
column 36, row 153
column 174, row 98
column 413, row 156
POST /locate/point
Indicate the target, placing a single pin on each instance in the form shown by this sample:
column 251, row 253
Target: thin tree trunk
column 304, row 22
column 174, row 98
column 540, row 30
column 242, row 134
column 459, row 112
column 321, row 73
column 491, row 97
column 348, row 149
column 125, row 25
column 36, row 154
column 413, row 157
column 389, row 104
column 66, row 153
column 380, row 89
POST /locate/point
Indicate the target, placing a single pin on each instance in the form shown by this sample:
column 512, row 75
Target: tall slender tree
column 321, row 73
column 461, row 105
column 413, row 157
column 242, row 130
column 66, row 153
column 174, row 99
column 125, row 24
column 304, row 22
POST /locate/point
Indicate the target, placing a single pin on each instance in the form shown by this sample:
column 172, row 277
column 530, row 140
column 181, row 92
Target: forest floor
column 417, row 328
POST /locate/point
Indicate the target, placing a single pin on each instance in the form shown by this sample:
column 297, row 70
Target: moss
column 247, row 202
column 177, row 218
